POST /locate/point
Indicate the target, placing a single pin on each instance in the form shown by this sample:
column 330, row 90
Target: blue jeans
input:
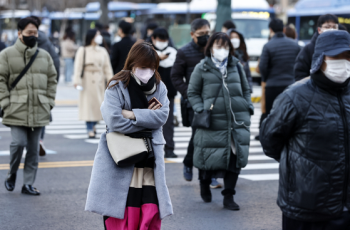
column 90, row 125
column 68, row 69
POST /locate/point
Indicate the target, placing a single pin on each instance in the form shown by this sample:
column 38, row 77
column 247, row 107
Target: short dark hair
column 152, row 26
column 160, row 33
column 229, row 25
column 327, row 18
column 198, row 23
column 220, row 36
column 22, row 24
column 276, row 25
column 289, row 31
column 36, row 19
column 91, row 33
column 125, row 26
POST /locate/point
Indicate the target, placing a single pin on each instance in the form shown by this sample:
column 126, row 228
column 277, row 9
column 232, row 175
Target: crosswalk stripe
column 261, row 166
column 260, row 177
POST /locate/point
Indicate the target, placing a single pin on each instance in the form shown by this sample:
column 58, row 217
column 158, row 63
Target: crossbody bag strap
column 23, row 72
column 217, row 94
column 240, row 75
column 82, row 71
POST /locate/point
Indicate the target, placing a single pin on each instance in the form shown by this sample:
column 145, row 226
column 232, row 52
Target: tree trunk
column 223, row 13
column 104, row 12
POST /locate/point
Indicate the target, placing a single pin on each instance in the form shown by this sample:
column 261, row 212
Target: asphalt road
column 64, row 186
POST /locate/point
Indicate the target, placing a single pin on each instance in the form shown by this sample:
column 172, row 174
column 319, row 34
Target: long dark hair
column 90, row 36
column 222, row 38
column 142, row 54
column 69, row 34
column 242, row 45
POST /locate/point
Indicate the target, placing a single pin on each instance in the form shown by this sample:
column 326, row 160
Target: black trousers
column 230, row 181
column 188, row 160
column 340, row 223
column 271, row 93
column 168, row 128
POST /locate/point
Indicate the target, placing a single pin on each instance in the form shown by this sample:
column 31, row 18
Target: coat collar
column 22, row 48
column 209, row 65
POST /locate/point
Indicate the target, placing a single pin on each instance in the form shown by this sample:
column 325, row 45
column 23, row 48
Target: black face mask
column 30, row 40
column 202, row 40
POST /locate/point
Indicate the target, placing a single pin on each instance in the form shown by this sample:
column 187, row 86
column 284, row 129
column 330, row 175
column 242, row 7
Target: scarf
column 138, row 91
column 221, row 65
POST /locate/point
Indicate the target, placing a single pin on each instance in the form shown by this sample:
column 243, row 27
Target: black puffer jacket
column 303, row 62
column 277, row 61
column 308, row 133
column 186, row 59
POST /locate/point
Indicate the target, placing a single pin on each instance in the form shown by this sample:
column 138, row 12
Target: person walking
column 277, row 62
column 308, row 133
column 186, row 59
column 241, row 54
column 68, row 48
column 227, row 26
column 134, row 196
column 26, row 96
column 167, row 55
column 92, row 69
column 120, row 50
column 218, row 84
column 302, row 65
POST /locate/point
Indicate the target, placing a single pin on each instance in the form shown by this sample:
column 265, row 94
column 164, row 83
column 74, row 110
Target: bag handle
column 82, row 71
column 23, row 72
column 217, row 94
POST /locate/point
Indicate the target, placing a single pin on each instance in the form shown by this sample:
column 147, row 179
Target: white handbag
column 125, row 150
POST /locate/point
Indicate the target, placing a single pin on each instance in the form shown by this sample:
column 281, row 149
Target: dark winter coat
column 303, row 62
column 2, row 46
column 45, row 44
column 277, row 61
column 212, row 147
column 308, row 133
column 239, row 55
column 120, row 51
column 186, row 59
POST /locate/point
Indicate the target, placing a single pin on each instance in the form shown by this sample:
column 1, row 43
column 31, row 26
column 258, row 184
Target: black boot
column 10, row 182
column 205, row 192
column 169, row 154
column 229, row 203
column 30, row 190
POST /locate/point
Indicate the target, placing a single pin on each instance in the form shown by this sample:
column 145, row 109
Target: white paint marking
column 260, row 177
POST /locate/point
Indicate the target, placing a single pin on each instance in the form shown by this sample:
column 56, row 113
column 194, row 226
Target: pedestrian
column 2, row 46
column 151, row 26
column 218, row 84
column 69, row 48
column 45, row 44
column 107, row 37
column 289, row 31
column 307, row 132
column 302, row 65
column 120, row 50
column 92, row 69
column 227, row 26
column 241, row 54
column 186, row 59
column 276, row 63
column 27, row 104
column 134, row 196
column 167, row 55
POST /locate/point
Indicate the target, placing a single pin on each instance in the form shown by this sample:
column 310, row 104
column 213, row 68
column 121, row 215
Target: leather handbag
column 185, row 112
column 127, row 151
column 19, row 77
column 202, row 120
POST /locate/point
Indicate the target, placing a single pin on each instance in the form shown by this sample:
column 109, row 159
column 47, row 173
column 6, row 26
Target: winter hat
column 330, row 43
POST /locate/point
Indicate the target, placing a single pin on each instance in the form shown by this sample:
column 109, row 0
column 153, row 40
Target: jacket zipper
column 24, row 56
column 345, row 122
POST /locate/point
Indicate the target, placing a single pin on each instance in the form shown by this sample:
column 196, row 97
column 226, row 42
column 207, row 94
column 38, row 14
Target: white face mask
column 98, row 39
column 161, row 45
column 235, row 42
column 337, row 71
column 325, row 30
column 220, row 54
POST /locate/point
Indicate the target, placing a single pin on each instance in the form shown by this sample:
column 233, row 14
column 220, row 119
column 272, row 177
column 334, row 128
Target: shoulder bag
column 23, row 72
column 127, row 151
column 82, row 71
column 202, row 120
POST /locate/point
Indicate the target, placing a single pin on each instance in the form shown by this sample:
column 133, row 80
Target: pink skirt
column 144, row 218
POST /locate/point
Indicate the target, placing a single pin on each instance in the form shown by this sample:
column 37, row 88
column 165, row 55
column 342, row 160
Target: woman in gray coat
column 222, row 149
column 133, row 197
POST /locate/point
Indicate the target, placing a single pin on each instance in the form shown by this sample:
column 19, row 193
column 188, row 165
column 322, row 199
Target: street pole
column 104, row 19
column 188, row 12
column 13, row 21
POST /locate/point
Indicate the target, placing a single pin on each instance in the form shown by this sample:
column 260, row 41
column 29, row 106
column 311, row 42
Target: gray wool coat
column 109, row 184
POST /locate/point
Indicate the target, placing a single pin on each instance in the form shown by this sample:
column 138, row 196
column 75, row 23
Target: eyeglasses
column 330, row 27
